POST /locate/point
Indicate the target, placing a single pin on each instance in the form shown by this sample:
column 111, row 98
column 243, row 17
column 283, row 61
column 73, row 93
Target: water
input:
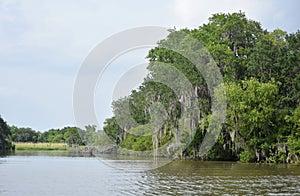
column 59, row 174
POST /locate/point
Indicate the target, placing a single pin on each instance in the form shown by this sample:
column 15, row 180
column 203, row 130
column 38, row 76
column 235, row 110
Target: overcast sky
column 43, row 43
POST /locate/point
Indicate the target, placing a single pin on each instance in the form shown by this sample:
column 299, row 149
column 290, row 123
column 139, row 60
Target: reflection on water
column 192, row 178
column 58, row 173
column 133, row 163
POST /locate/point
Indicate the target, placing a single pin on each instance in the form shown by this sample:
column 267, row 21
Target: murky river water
column 58, row 174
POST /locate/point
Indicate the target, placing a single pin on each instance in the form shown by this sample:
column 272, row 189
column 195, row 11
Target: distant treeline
column 73, row 136
column 68, row 135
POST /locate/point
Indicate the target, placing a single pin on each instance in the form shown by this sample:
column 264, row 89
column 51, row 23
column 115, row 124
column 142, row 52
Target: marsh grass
column 40, row 146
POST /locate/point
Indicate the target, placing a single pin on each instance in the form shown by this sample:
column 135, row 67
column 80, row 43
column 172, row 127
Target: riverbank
column 73, row 150
column 41, row 146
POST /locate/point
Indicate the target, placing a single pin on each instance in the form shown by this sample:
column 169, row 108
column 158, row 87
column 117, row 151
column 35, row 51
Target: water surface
column 41, row 173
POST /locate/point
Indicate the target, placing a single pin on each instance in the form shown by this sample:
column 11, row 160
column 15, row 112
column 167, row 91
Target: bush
column 247, row 156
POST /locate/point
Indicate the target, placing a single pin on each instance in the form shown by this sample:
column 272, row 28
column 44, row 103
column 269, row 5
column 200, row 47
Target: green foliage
column 113, row 130
column 251, row 109
column 261, row 71
column 138, row 139
column 247, row 156
column 59, row 138
column 142, row 144
column 5, row 137
column 72, row 136
column 24, row 134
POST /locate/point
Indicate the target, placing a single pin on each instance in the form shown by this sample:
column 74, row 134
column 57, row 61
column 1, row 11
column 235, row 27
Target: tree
column 24, row 134
column 113, row 130
column 230, row 39
column 72, row 136
column 251, row 114
column 5, row 137
column 89, row 135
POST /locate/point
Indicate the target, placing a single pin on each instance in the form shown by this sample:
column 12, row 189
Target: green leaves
column 5, row 137
column 251, row 106
column 261, row 71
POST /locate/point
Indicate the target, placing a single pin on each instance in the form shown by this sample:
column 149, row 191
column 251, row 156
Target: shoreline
column 72, row 153
column 86, row 151
column 23, row 146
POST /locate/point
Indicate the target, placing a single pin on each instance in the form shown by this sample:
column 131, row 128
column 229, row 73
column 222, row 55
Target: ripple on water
column 88, row 176
column 200, row 179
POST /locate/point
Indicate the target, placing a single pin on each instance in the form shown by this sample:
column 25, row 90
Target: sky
column 44, row 43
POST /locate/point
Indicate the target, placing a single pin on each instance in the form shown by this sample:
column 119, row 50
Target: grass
column 40, row 146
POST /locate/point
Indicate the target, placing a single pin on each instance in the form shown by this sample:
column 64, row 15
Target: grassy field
column 41, row 146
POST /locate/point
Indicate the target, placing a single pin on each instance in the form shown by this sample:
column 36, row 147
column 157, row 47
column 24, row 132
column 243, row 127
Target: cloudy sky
column 43, row 44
